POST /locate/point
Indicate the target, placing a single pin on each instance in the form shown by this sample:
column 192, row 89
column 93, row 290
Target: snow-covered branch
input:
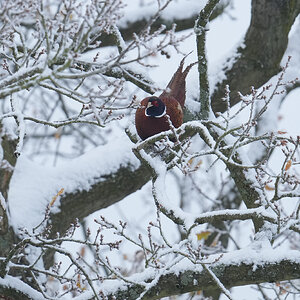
column 201, row 26
column 225, row 190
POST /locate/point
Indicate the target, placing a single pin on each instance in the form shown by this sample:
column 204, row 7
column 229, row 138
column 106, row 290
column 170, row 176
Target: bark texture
column 230, row 275
column 264, row 45
column 110, row 189
column 7, row 163
column 136, row 26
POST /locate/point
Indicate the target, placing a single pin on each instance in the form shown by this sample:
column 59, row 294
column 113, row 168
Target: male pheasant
column 150, row 117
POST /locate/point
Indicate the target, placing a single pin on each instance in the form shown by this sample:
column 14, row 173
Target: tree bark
column 194, row 279
column 265, row 43
column 230, row 275
column 7, row 164
column 135, row 26
column 110, row 189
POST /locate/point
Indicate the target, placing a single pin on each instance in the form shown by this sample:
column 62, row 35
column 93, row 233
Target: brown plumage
column 151, row 119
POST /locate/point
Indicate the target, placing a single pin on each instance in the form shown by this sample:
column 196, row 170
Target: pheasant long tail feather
column 176, row 86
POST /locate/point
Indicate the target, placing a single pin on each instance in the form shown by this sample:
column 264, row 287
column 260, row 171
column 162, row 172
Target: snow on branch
column 242, row 273
column 262, row 191
column 55, row 48
column 200, row 28
column 182, row 266
column 61, row 65
column 77, row 176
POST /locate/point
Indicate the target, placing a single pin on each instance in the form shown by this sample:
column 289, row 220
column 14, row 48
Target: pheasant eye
column 155, row 103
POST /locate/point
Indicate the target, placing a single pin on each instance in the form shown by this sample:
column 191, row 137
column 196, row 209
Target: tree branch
column 109, row 189
column 200, row 30
column 131, row 27
column 270, row 25
column 231, row 275
column 7, row 164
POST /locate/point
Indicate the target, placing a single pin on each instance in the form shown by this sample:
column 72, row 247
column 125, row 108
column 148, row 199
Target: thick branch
column 6, row 292
column 195, row 278
column 131, row 27
column 265, row 43
column 230, row 275
column 109, row 189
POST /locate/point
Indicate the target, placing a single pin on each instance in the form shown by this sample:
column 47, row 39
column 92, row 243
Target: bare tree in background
column 68, row 68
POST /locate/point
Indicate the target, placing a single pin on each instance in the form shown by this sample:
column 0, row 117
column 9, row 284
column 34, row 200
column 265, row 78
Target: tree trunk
column 265, row 43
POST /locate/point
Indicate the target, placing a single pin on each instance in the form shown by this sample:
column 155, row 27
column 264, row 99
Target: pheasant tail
column 176, row 86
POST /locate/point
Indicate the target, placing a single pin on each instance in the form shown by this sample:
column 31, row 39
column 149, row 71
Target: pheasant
column 150, row 117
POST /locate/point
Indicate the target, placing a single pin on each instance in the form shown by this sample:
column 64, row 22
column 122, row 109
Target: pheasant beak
column 149, row 104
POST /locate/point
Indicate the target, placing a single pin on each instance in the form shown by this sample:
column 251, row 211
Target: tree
column 72, row 75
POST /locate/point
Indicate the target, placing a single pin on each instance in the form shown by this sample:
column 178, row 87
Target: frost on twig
column 157, row 261
column 51, row 52
column 189, row 149
column 75, row 82
column 228, row 144
column 264, row 192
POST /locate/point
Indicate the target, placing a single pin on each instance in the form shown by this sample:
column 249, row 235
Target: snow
column 33, row 185
column 289, row 114
column 247, row 256
column 258, row 257
column 289, row 117
column 133, row 12
column 15, row 283
column 225, row 36
column 21, row 125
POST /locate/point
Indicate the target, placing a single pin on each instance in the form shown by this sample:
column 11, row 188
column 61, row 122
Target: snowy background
column 225, row 34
